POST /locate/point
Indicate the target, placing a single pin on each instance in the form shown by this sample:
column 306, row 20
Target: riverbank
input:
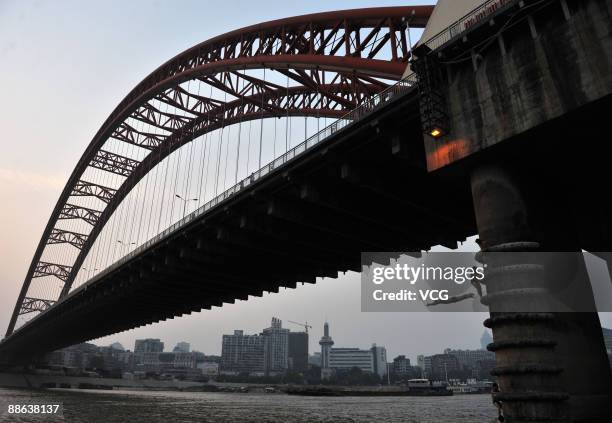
column 47, row 381
column 367, row 391
column 34, row 381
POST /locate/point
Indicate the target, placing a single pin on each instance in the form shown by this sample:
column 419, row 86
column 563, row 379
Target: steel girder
column 337, row 59
column 60, row 271
column 60, row 236
column 114, row 163
column 88, row 189
column 31, row 305
column 72, row 211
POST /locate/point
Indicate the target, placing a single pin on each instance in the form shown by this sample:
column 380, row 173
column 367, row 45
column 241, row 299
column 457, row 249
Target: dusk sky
column 64, row 66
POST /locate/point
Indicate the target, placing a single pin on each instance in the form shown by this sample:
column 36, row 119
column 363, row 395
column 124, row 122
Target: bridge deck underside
column 364, row 190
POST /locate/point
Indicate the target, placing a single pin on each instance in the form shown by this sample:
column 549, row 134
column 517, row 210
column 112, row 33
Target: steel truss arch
column 360, row 49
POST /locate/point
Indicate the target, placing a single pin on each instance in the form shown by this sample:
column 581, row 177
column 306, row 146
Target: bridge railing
column 467, row 21
column 368, row 106
column 359, row 112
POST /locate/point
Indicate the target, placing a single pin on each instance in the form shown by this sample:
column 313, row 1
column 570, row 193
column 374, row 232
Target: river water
column 92, row 406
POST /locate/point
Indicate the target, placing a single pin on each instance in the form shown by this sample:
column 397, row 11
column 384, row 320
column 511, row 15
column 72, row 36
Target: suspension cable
column 227, row 148
column 220, row 147
column 187, row 184
column 261, row 124
column 167, row 160
column 241, row 93
column 202, row 199
column 287, row 117
column 249, row 147
column 207, row 153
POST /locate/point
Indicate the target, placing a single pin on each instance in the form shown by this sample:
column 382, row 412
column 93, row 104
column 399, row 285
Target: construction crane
column 305, row 325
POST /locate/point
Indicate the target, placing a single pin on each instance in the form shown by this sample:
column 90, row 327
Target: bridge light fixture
column 436, row 132
column 185, row 199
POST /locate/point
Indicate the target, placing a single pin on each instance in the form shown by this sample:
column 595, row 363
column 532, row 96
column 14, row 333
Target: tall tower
column 486, row 339
column 326, row 343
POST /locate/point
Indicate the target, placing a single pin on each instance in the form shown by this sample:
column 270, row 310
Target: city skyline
column 272, row 353
column 314, row 345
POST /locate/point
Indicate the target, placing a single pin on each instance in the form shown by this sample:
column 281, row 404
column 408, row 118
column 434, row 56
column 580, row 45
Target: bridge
column 277, row 153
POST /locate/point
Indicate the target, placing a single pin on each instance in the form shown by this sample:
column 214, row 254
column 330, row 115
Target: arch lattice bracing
column 333, row 60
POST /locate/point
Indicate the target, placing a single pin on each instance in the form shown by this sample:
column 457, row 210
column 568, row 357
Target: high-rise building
column 483, row 369
column 486, row 339
column 183, row 347
column 344, row 359
column 116, row 359
column 276, row 352
column 424, row 363
column 443, row 366
column 185, row 359
column 162, row 361
column 242, row 353
column 298, row 351
column 117, row 346
column 148, row 345
column 607, row 335
column 315, row 359
column 401, row 365
column 379, row 360
column 209, row 368
column 77, row 356
column 468, row 359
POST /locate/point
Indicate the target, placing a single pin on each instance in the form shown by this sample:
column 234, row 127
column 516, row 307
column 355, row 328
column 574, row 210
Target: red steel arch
column 336, row 59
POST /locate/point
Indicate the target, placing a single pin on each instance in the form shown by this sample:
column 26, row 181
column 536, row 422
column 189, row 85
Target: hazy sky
column 64, row 66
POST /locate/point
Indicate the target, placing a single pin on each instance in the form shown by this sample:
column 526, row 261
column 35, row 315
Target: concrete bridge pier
column 551, row 366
